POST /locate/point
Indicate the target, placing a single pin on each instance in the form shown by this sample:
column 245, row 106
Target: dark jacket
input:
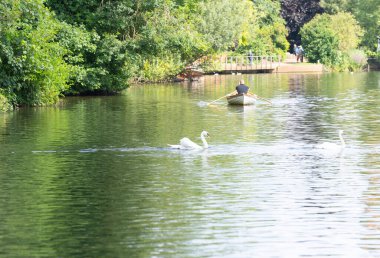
column 242, row 88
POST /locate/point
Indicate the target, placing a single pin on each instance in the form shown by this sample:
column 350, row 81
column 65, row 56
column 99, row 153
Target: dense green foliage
column 319, row 40
column 32, row 69
column 366, row 12
column 334, row 6
column 331, row 39
column 267, row 32
column 50, row 48
column 222, row 22
column 86, row 47
column 4, row 104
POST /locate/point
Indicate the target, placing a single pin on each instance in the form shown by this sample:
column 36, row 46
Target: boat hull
column 241, row 99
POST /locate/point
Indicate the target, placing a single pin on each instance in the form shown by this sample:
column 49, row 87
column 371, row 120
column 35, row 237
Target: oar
column 219, row 98
column 264, row 99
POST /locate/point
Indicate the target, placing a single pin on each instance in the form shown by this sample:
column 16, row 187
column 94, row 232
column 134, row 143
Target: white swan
column 186, row 144
column 333, row 146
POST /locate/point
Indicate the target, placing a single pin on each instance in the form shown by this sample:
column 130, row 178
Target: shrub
column 160, row 69
column 324, row 39
column 4, row 103
column 319, row 41
column 358, row 59
column 32, row 68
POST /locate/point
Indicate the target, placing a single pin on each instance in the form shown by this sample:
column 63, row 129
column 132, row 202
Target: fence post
column 271, row 61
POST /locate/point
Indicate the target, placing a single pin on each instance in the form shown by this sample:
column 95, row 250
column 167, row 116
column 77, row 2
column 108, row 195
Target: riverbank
column 373, row 64
column 290, row 65
column 298, row 68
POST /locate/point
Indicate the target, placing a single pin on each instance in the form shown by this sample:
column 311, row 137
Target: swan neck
column 342, row 140
column 205, row 145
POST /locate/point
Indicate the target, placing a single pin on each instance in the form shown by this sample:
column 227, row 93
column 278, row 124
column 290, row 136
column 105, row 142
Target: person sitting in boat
column 242, row 88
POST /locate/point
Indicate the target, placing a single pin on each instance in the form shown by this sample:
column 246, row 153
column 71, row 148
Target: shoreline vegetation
column 50, row 49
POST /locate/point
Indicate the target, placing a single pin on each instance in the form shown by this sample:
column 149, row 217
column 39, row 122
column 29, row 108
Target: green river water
column 94, row 176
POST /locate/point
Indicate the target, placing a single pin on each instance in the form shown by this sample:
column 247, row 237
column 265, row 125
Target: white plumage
column 186, row 144
column 329, row 146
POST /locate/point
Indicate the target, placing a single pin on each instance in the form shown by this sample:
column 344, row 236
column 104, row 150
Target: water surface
column 94, row 177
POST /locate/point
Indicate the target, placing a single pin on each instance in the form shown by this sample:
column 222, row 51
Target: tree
column 221, row 22
column 267, row 29
column 326, row 39
column 366, row 12
column 124, row 18
column 334, row 6
column 319, row 40
column 347, row 29
column 296, row 13
column 32, row 68
column 104, row 65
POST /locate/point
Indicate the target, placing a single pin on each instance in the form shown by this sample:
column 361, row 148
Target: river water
column 94, row 177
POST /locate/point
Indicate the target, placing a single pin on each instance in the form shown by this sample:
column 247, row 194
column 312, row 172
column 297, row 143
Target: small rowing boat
column 241, row 99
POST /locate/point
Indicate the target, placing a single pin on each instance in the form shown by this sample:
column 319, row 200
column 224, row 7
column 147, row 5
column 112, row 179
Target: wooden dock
column 248, row 64
column 263, row 64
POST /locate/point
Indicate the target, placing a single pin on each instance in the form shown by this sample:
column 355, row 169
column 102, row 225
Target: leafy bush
column 81, row 48
column 267, row 32
column 32, row 69
column 324, row 40
column 347, row 30
column 367, row 13
column 270, row 39
column 358, row 59
column 319, row 40
column 211, row 63
column 4, row 103
column 160, row 69
column 108, row 72
column 222, row 22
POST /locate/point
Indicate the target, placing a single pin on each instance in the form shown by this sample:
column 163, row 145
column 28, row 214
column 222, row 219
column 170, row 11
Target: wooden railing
column 246, row 63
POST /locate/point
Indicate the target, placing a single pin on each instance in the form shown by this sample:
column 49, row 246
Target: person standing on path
column 295, row 49
column 300, row 54
column 250, row 57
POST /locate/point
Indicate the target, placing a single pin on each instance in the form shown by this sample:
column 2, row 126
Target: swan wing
column 173, row 146
column 186, row 143
column 328, row 145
